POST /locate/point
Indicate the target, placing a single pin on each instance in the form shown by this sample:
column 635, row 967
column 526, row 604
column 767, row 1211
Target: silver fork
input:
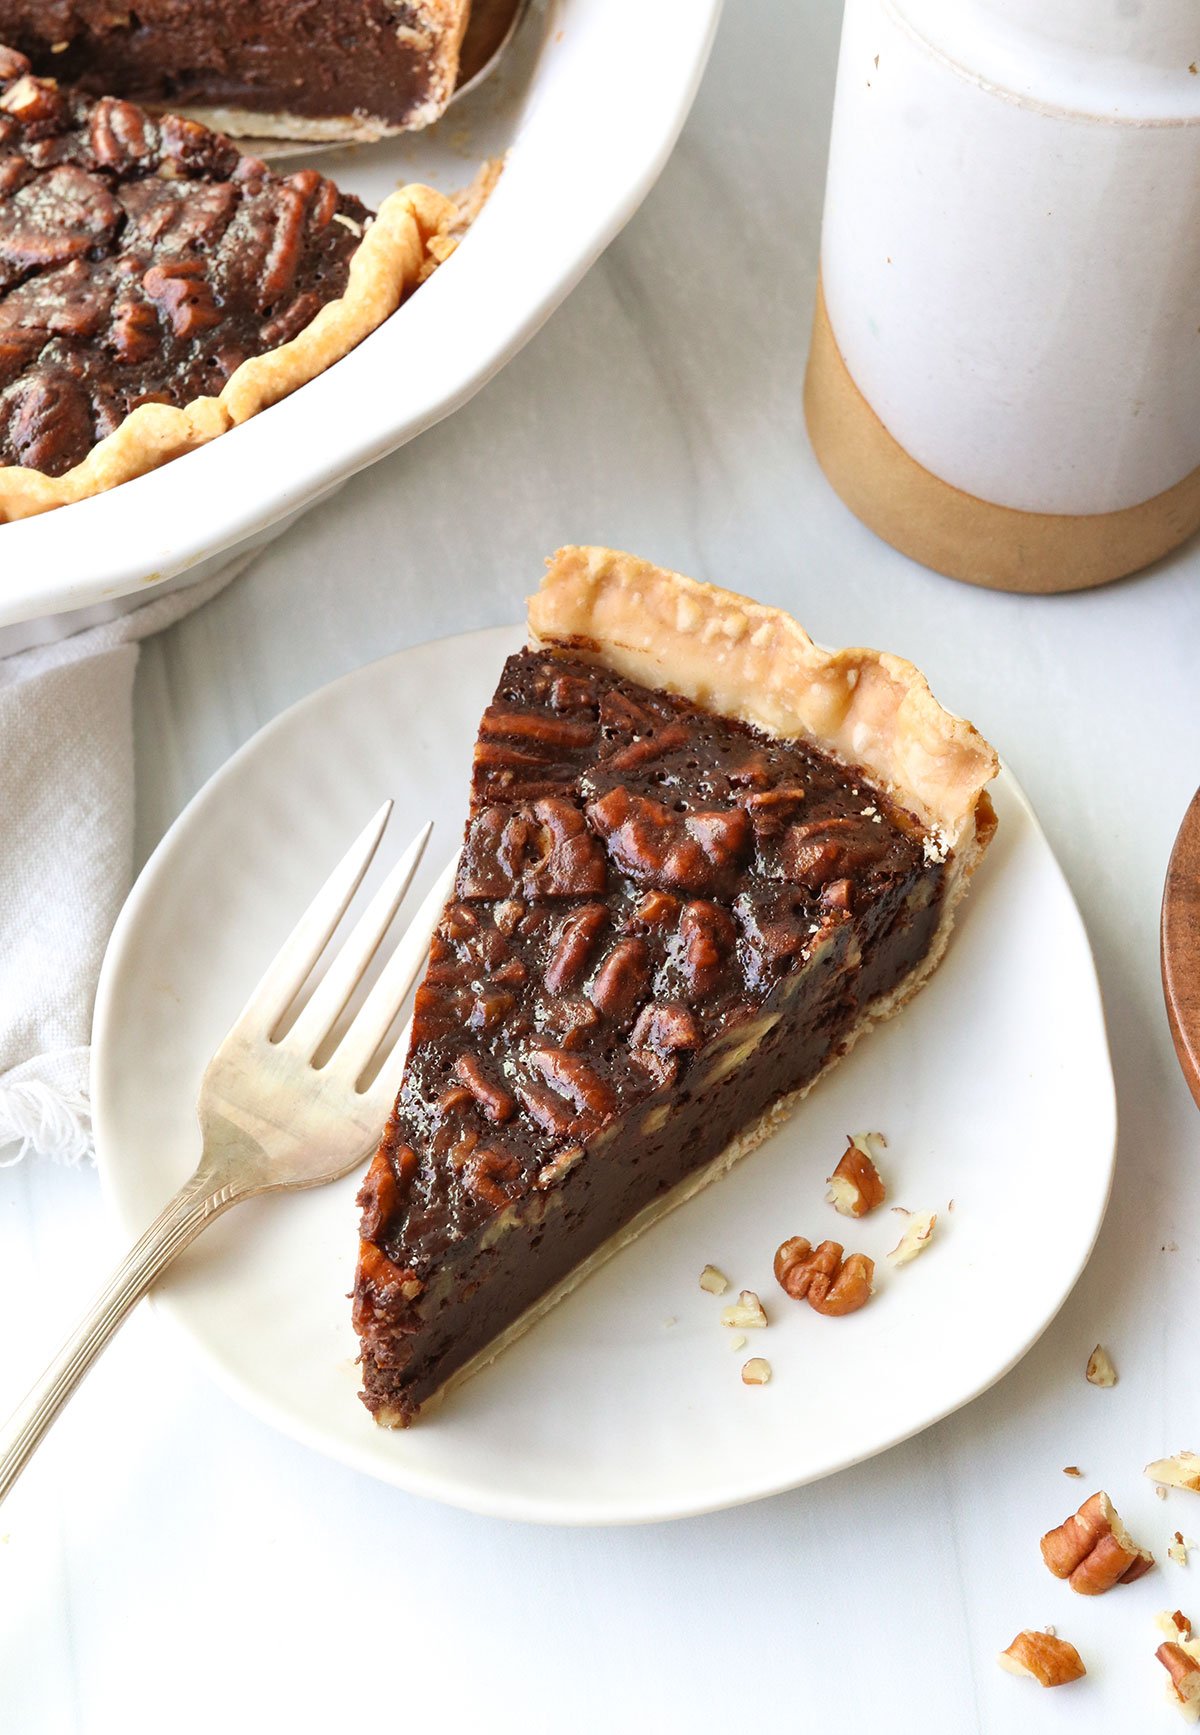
column 275, row 1111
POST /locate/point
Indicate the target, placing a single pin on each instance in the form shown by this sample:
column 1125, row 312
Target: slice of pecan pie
column 322, row 69
column 703, row 857
column 157, row 287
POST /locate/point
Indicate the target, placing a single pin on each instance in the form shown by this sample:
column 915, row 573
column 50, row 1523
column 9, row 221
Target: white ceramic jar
column 1005, row 372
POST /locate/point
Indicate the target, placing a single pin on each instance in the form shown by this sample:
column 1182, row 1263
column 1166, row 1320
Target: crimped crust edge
column 747, row 660
column 397, row 252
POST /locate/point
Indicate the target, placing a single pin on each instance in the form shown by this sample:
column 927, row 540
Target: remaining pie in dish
column 157, row 287
column 270, row 68
column 703, row 857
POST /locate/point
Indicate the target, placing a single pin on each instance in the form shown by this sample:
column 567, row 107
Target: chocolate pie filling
column 380, row 58
column 663, row 922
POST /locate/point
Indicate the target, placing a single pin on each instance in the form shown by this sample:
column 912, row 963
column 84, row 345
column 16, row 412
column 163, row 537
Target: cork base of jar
column 956, row 533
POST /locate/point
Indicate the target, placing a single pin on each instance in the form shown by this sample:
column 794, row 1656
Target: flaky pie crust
column 405, row 242
column 743, row 659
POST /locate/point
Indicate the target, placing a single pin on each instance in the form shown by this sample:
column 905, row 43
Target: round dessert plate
column 625, row 1403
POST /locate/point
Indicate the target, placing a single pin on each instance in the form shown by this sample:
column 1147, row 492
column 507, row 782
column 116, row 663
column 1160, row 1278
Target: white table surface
column 169, row 1562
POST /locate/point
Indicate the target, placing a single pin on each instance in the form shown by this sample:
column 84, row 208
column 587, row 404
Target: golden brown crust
column 744, row 659
column 397, row 252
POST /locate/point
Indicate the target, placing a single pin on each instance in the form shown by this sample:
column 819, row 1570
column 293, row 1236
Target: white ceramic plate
column 994, row 1089
column 588, row 103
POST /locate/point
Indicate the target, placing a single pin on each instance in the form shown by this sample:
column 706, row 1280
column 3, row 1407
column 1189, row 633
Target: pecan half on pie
column 157, row 287
column 703, row 857
column 354, row 69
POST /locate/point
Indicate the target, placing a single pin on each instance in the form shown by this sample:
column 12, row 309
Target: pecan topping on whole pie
column 141, row 261
column 160, row 287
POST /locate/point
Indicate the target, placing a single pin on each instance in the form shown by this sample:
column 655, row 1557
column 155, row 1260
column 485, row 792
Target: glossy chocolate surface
column 304, row 57
column 663, row 920
column 142, row 261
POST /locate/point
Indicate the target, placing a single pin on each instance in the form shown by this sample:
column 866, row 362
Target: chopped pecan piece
column 14, row 173
column 380, row 1194
column 918, row 1233
column 1044, row 1658
column 1181, row 1471
column 665, row 1029
column 708, row 934
column 510, row 973
column 61, row 215
column 771, row 809
column 545, row 1107
column 508, row 916
column 37, row 103
column 1093, row 1551
column 489, row 1008
column 690, row 852
column 567, row 1021
column 574, row 1078
column 1182, row 1663
column 576, row 939
column 554, row 734
column 381, row 1285
column 118, row 134
column 777, row 927
column 620, row 714
column 1100, row 1370
column 821, row 850
column 1180, row 1657
column 538, row 852
column 855, row 1186
column 553, row 1171
column 747, row 1312
column 838, row 895
column 133, row 334
column 459, row 922
column 622, row 979
column 830, row 1283
column 493, row 1099
column 494, row 1177
column 572, row 693
column 182, row 291
column 644, row 750
column 655, row 910
column 48, row 419
column 193, row 150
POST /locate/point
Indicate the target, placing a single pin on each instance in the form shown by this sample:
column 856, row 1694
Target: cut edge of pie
column 754, row 663
column 432, row 31
column 411, row 234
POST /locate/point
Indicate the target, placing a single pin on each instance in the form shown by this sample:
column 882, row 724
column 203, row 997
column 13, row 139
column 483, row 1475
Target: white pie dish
column 625, row 1403
column 587, row 104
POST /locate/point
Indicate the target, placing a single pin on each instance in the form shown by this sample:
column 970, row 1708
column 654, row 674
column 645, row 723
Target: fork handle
column 177, row 1224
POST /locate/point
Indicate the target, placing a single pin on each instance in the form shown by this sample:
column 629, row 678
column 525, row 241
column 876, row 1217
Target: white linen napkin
column 66, row 861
